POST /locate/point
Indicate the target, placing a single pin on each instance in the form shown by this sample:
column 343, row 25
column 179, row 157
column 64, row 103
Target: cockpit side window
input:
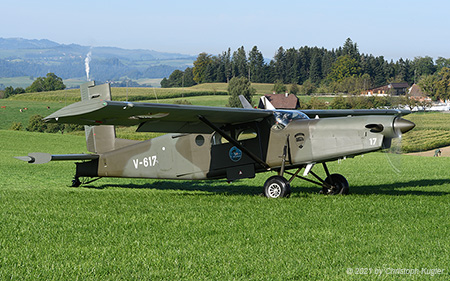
column 218, row 139
column 284, row 117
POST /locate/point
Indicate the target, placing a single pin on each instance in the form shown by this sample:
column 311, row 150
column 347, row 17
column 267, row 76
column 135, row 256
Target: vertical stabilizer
column 267, row 104
column 99, row 139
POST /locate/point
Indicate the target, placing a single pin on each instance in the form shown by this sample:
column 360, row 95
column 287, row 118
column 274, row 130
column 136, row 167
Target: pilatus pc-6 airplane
column 213, row 143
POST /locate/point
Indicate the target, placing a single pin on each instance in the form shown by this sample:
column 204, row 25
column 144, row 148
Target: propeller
column 393, row 144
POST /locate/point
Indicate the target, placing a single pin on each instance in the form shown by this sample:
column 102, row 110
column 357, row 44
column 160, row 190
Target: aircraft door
column 229, row 160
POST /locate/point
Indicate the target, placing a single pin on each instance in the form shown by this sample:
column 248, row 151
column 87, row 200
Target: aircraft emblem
column 235, row 154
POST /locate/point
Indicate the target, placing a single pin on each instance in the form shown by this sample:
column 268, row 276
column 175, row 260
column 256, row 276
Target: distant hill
column 20, row 43
column 25, row 57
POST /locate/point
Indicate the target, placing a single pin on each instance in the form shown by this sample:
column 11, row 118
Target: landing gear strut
column 278, row 186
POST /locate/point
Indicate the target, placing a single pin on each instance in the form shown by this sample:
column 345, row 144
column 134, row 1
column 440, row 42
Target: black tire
column 76, row 182
column 340, row 184
column 277, row 187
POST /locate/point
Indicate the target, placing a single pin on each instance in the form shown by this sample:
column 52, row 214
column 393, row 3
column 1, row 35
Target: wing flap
column 324, row 113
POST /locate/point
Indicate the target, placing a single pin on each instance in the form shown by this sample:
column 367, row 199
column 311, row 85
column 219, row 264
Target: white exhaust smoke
column 87, row 60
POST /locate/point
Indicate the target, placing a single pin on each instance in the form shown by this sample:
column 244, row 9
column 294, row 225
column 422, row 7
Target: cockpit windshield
column 284, row 117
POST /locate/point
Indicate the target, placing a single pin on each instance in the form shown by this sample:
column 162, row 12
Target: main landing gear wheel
column 339, row 185
column 277, row 187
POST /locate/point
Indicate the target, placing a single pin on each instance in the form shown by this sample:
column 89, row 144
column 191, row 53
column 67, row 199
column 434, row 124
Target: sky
column 393, row 29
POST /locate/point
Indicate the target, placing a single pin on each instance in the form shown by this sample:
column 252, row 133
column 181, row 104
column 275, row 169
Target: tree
column 240, row 86
column 279, row 65
column 239, row 63
column 428, row 84
column 293, row 66
column 256, row 65
column 443, row 83
column 307, row 88
column 179, row 78
column 315, row 72
column 279, row 87
column 441, row 63
column 165, row 83
column 9, row 91
column 350, row 49
column 175, row 80
column 188, row 77
column 49, row 83
column 227, row 63
column 340, row 103
column 345, row 66
column 315, row 103
column 424, row 66
column 293, row 89
column 201, row 67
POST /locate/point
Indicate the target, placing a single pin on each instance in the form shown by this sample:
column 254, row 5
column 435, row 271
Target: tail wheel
column 76, row 182
column 277, row 187
column 339, row 185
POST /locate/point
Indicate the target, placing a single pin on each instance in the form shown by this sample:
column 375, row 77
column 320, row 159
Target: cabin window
column 237, row 133
column 247, row 134
column 218, row 139
column 199, row 140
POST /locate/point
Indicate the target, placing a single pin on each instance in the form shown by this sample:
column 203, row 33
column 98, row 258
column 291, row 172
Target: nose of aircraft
column 403, row 125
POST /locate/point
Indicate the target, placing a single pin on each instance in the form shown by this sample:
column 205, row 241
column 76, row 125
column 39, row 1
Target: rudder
column 99, row 139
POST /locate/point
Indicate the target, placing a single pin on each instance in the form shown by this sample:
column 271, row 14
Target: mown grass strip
column 210, row 230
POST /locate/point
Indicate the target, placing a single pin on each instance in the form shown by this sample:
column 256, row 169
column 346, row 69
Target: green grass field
column 122, row 229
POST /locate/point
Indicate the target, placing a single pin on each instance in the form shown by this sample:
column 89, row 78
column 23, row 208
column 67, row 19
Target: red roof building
column 392, row 89
column 281, row 101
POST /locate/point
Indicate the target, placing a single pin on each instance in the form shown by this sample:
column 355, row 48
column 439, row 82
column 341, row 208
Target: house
column 392, row 89
column 281, row 101
column 415, row 93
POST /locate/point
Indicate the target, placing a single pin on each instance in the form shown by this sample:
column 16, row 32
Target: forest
column 317, row 70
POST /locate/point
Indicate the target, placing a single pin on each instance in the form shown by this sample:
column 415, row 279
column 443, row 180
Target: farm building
column 392, row 89
column 415, row 93
column 281, row 101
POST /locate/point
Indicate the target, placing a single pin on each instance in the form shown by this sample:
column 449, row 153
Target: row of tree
column 242, row 86
column 437, row 85
column 50, row 82
column 340, row 70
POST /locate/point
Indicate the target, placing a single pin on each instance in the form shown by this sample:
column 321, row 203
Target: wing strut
column 234, row 142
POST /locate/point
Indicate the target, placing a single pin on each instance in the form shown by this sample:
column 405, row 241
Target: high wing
column 172, row 118
column 151, row 117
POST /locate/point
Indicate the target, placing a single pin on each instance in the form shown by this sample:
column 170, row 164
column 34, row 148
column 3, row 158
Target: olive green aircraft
column 220, row 143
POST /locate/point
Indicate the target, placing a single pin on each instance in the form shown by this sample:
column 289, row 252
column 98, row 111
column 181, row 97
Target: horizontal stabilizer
column 42, row 158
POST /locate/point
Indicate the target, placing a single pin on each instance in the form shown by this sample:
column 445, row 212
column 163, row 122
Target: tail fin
column 245, row 103
column 99, row 139
column 266, row 103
